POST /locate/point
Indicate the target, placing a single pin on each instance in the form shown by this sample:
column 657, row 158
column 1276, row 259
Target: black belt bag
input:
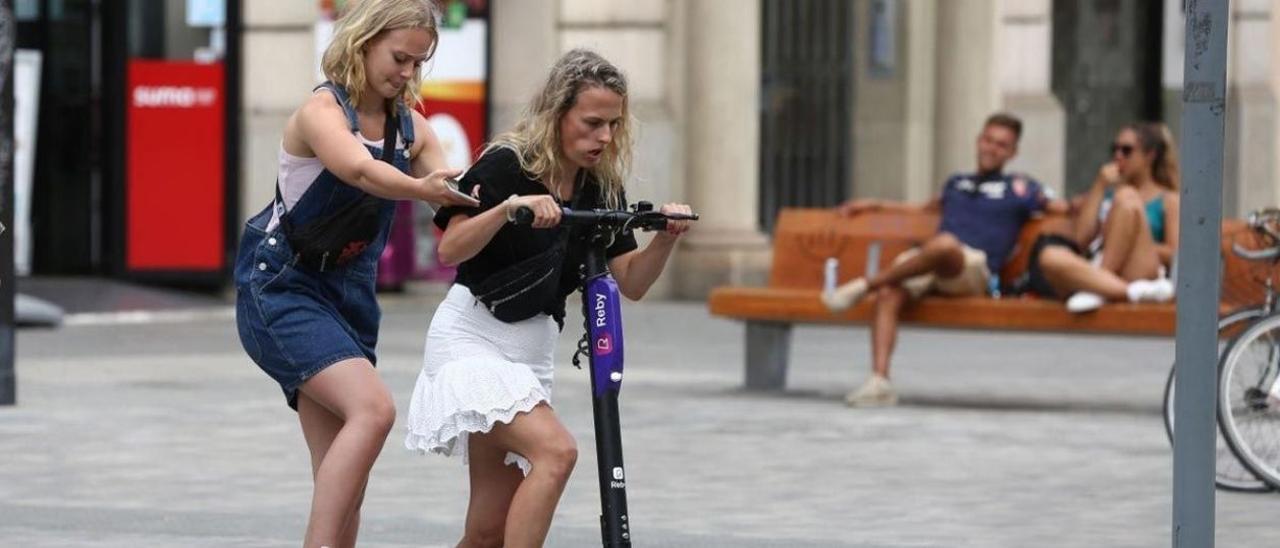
column 334, row 240
column 525, row 289
column 529, row 287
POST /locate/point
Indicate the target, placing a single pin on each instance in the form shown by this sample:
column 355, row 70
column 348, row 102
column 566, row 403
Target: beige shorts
column 970, row 282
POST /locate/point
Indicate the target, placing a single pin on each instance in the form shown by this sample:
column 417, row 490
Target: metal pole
column 8, row 40
column 1199, row 279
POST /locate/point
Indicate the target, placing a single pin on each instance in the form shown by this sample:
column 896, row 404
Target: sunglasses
column 1123, row 149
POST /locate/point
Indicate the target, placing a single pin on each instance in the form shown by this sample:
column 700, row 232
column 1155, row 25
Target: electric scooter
column 602, row 344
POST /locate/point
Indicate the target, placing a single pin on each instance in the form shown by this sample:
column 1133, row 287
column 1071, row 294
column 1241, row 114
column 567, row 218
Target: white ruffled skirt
column 477, row 371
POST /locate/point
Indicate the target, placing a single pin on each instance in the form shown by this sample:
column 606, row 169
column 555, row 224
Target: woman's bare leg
column 1069, row 273
column 319, row 427
column 493, row 485
column 351, row 392
column 552, row 451
column 1128, row 249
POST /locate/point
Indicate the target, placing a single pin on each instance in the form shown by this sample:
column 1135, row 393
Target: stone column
column 921, row 111
column 893, row 133
column 1022, row 52
column 277, row 74
column 523, row 47
column 722, row 138
column 1251, row 174
column 966, row 82
column 880, row 155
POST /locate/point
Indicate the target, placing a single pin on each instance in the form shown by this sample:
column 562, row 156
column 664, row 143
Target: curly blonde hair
column 364, row 20
column 536, row 137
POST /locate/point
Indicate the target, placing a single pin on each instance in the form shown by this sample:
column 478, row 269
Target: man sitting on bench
column 981, row 216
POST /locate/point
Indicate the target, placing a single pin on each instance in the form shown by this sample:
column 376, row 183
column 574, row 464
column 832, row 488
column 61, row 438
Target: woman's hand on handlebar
column 675, row 227
column 435, row 189
column 546, row 212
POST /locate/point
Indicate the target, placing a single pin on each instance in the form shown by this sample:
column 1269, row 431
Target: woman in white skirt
column 485, row 388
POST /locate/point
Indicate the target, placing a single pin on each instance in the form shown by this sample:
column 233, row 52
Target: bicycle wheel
column 1230, row 474
column 1249, row 399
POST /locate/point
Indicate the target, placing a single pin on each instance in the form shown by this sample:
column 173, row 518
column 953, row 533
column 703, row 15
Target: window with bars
column 806, row 105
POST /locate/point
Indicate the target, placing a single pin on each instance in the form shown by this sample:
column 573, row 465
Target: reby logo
column 173, row 96
column 601, row 317
column 604, row 345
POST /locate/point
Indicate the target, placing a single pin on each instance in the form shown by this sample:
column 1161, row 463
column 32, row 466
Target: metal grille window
column 806, row 104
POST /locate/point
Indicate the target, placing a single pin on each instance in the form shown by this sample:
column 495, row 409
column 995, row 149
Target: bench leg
column 768, row 346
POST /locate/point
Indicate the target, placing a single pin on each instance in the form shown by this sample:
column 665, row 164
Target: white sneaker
column 1084, row 301
column 845, row 296
column 1159, row 290
column 874, row 392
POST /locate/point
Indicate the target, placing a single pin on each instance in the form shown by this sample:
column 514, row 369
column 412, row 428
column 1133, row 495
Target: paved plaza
column 156, row 431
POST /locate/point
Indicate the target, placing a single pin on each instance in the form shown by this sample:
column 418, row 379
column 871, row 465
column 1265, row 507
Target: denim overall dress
column 295, row 321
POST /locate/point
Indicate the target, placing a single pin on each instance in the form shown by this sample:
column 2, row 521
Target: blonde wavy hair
column 536, row 137
column 361, row 22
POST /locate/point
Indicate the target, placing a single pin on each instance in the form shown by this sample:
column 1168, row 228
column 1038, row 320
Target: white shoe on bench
column 1159, row 290
column 1084, row 301
column 845, row 296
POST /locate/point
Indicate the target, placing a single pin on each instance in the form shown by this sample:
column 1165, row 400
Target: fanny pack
column 334, row 240
column 527, row 288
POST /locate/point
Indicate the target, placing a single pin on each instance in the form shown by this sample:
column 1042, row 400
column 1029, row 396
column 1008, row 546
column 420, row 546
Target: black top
column 498, row 174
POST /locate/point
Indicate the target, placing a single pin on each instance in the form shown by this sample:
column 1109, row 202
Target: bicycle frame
column 1267, row 392
column 602, row 310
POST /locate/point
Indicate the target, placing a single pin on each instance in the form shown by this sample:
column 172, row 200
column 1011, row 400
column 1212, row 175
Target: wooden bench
column 805, row 238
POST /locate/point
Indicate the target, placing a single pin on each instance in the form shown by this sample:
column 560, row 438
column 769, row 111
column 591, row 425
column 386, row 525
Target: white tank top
column 296, row 174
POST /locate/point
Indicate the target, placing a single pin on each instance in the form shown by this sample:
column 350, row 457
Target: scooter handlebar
column 523, row 216
column 614, row 218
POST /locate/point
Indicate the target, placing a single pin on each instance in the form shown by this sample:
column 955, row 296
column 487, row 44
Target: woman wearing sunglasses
column 1126, row 232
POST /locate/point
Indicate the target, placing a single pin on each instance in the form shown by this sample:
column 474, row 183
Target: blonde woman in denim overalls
column 313, row 330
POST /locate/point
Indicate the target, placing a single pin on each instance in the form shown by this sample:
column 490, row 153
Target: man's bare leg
column 884, row 327
column 942, row 255
column 876, row 390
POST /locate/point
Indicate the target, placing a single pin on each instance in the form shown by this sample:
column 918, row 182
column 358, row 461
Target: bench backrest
column 804, row 238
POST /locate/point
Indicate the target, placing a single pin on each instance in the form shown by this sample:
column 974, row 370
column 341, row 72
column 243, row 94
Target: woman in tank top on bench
column 1127, row 231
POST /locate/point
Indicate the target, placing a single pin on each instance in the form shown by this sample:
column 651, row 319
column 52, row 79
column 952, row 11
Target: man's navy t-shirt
column 986, row 212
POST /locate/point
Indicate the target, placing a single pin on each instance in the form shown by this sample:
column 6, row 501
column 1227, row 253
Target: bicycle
column 1232, row 472
column 602, row 344
column 1249, row 371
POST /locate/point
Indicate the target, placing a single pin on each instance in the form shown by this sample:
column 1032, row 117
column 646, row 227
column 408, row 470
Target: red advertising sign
column 174, row 210
column 456, row 111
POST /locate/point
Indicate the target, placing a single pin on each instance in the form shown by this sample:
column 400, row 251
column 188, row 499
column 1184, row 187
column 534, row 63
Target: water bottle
column 993, row 286
column 830, row 273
